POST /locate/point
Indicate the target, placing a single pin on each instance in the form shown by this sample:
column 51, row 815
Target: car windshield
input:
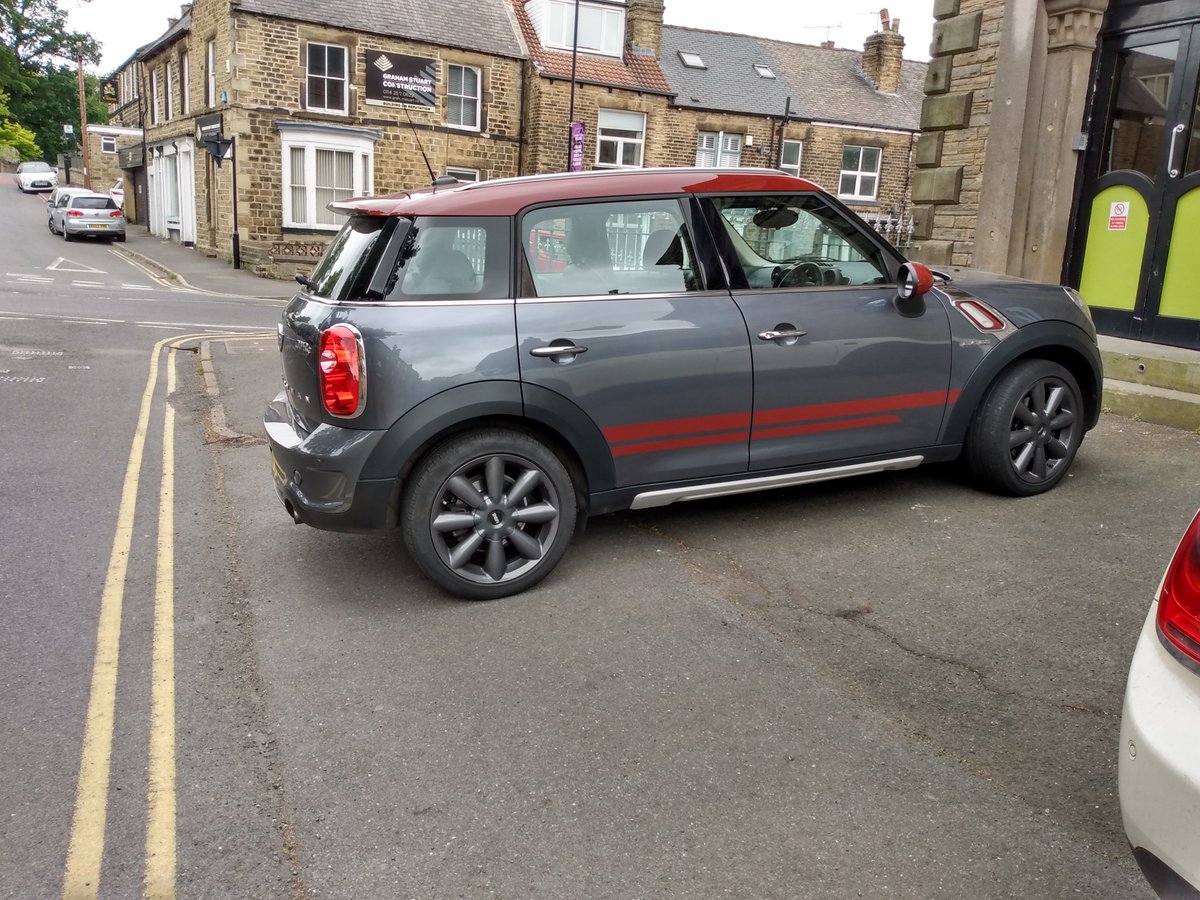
column 93, row 203
column 36, row 167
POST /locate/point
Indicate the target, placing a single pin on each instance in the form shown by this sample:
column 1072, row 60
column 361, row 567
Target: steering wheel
column 801, row 274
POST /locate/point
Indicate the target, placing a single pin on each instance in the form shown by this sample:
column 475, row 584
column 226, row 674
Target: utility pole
column 571, row 112
column 83, row 129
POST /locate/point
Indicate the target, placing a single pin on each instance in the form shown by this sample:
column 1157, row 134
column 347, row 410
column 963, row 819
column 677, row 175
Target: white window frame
column 784, row 165
column 464, row 174
column 108, row 144
column 620, row 141
column 692, row 60
column 167, row 95
column 154, row 97
column 210, row 74
column 312, row 140
column 477, row 98
column 344, row 79
column 185, row 83
column 559, row 26
column 860, row 173
column 724, row 147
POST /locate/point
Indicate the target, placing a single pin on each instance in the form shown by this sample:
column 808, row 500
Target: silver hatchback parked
column 95, row 215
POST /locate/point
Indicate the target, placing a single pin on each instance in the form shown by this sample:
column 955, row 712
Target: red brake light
column 342, row 369
column 1179, row 599
column 74, row 212
column 115, row 214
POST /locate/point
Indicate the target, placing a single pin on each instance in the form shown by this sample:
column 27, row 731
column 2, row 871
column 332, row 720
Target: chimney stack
column 644, row 27
column 883, row 53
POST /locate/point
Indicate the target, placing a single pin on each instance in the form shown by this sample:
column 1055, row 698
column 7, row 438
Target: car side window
column 618, row 247
column 795, row 241
column 460, row 258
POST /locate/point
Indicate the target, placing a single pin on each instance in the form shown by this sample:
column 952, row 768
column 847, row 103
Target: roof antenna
column 432, row 177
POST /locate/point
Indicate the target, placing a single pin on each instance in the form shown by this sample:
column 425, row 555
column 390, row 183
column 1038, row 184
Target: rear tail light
column 1179, row 599
column 115, row 214
column 74, row 212
column 343, row 371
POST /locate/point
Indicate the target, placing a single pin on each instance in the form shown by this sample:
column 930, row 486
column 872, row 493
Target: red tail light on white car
column 1179, row 601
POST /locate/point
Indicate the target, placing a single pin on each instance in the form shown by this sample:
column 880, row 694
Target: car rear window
column 93, row 203
column 351, row 258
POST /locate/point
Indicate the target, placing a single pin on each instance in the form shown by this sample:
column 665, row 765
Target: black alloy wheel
column 1027, row 430
column 489, row 513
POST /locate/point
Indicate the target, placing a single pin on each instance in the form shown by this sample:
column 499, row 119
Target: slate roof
column 824, row 84
column 634, row 71
column 483, row 25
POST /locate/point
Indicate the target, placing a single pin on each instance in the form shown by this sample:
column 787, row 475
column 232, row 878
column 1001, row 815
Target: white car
column 1159, row 769
column 36, row 176
column 117, row 192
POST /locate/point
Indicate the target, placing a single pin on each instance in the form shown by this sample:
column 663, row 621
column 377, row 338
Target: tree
column 38, row 68
column 35, row 32
column 13, row 135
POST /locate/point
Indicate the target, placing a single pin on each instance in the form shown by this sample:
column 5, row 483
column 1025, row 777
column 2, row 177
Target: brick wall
column 955, row 121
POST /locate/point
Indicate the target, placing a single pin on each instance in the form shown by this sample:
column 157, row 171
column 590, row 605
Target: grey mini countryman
column 484, row 365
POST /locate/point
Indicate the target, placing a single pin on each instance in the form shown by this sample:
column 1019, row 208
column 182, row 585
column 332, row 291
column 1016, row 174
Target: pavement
column 187, row 267
column 1146, row 382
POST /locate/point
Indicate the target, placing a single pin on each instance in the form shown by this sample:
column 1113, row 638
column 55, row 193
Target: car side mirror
column 915, row 281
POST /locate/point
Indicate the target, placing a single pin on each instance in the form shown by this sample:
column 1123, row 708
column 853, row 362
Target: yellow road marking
column 86, row 851
column 160, row 825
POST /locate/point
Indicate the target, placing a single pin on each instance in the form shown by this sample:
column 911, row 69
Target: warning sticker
column 1118, row 216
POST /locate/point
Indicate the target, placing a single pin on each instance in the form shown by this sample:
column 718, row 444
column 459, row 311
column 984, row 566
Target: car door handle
column 781, row 334
column 564, row 349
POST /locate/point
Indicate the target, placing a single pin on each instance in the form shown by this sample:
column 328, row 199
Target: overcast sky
column 121, row 26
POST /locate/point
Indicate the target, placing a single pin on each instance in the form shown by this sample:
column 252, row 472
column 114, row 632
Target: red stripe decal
column 666, row 427
column 851, row 408
column 761, row 434
column 680, row 443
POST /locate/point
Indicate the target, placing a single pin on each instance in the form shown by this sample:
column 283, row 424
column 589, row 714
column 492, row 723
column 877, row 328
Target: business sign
column 108, row 91
column 395, row 78
column 1118, row 216
column 208, row 128
column 578, row 136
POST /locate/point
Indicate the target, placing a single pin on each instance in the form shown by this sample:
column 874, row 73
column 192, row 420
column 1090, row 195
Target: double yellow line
column 86, row 853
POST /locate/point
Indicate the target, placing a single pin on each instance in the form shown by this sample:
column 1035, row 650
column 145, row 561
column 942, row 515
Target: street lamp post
column 571, row 112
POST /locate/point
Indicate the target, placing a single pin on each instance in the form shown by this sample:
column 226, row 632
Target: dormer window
column 691, row 60
column 763, row 71
column 601, row 24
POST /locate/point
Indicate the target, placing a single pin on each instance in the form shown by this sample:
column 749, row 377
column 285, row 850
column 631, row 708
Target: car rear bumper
column 73, row 227
column 317, row 476
column 1158, row 771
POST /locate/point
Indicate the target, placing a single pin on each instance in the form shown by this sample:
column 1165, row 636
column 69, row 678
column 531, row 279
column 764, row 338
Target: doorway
column 1139, row 212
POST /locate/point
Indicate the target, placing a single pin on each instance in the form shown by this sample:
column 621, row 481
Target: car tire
column 1027, row 430
column 50, row 225
column 67, row 236
column 500, row 546
column 120, row 239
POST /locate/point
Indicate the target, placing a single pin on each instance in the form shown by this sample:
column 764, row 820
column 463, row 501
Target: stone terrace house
column 309, row 97
column 847, row 120
column 322, row 108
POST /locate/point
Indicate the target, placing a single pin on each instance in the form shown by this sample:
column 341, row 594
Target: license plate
column 101, row 227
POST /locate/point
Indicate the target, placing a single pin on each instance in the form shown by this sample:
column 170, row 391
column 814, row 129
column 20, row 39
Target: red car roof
column 505, row 197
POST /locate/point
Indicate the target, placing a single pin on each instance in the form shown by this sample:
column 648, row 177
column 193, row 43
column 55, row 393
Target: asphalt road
column 891, row 687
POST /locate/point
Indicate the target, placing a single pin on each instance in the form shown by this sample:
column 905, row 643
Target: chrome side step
column 668, row 496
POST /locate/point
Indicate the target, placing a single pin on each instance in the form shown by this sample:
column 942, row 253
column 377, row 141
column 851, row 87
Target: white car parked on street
column 1159, row 769
column 36, row 176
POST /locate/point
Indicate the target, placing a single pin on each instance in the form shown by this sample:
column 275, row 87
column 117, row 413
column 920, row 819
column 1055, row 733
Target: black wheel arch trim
column 448, row 412
column 1060, row 342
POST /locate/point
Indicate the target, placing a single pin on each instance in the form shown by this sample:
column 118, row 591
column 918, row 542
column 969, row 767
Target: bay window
column 320, row 165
